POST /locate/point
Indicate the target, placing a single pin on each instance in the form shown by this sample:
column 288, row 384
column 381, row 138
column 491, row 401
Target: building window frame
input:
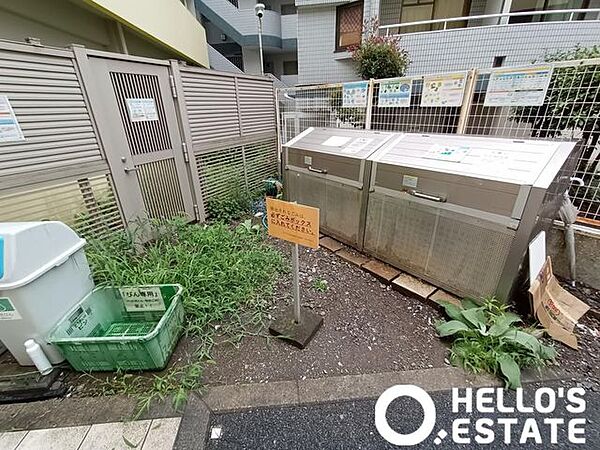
column 338, row 15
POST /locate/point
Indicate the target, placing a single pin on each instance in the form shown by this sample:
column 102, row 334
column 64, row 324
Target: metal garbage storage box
column 43, row 274
column 327, row 168
column 460, row 211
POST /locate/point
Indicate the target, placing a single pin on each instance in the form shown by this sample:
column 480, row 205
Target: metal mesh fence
column 570, row 111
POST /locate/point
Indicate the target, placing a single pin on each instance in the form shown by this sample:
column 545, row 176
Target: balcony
column 493, row 37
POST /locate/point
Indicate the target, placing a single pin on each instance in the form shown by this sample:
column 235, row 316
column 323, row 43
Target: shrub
column 379, row 56
column 487, row 340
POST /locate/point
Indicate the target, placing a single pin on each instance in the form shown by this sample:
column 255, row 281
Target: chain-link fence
column 570, row 111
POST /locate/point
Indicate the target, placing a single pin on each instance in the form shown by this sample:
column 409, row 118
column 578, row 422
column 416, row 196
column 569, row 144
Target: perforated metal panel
column 399, row 231
column 468, row 254
column 339, row 204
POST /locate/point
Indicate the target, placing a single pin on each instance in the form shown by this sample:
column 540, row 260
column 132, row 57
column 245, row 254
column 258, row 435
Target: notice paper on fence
column 518, row 87
column 395, row 93
column 557, row 310
column 9, row 126
column 444, row 90
column 355, row 94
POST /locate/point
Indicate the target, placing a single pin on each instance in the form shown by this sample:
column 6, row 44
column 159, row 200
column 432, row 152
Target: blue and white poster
column 395, row 93
column 355, row 94
column 9, row 126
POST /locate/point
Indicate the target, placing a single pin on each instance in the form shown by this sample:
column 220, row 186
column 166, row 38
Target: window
column 288, row 10
column 290, row 67
column 349, row 25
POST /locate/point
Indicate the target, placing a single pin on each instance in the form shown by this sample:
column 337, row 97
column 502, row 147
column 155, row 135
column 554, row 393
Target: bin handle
column 435, row 198
column 312, row 169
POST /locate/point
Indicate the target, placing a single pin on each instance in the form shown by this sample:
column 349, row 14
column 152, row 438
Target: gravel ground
column 584, row 362
column 367, row 328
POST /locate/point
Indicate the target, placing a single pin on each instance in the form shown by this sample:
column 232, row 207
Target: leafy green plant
column 486, row 339
column 321, row 285
column 235, row 204
column 379, row 56
column 227, row 277
column 247, row 227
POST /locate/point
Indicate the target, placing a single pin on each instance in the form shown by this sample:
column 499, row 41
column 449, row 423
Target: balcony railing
column 234, row 3
column 487, row 20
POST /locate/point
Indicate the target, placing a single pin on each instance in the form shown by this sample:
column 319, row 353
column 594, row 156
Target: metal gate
column 134, row 104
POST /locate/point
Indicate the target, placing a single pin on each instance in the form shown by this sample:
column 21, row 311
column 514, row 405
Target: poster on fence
column 142, row 109
column 518, row 87
column 355, row 94
column 395, row 93
column 444, row 90
column 10, row 130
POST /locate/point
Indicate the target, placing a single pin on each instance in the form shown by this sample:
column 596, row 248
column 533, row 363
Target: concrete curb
column 230, row 398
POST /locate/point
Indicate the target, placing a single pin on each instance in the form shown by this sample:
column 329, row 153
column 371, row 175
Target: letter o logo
column 429, row 415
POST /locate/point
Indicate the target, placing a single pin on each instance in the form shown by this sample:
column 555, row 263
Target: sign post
column 298, row 224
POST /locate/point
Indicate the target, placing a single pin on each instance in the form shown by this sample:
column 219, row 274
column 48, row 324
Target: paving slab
column 162, row 433
column 352, row 257
column 381, row 270
column 413, row 286
column 440, row 296
column 330, row 244
column 68, row 438
column 116, row 435
column 11, row 440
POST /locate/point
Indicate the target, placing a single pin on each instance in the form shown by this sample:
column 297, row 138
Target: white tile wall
column 316, row 48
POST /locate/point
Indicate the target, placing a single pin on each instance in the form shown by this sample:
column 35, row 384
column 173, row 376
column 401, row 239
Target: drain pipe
column 568, row 214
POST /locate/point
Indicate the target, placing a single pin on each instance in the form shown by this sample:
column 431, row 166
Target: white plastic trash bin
column 43, row 274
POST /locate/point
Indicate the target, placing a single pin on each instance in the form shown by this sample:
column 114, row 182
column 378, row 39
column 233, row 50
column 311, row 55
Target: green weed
column 320, row 285
column 486, row 339
column 227, row 277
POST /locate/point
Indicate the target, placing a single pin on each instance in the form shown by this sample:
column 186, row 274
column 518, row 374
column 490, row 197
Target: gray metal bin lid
column 507, row 160
column 357, row 144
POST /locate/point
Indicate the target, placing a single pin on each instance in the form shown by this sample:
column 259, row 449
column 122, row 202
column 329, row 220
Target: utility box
column 327, row 168
column 43, row 274
column 460, row 211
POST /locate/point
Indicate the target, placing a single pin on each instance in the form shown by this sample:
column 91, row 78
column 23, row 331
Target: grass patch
column 486, row 339
column 227, row 277
column 320, row 285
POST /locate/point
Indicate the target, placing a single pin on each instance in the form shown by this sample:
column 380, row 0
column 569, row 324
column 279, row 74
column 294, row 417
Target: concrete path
column 158, row 434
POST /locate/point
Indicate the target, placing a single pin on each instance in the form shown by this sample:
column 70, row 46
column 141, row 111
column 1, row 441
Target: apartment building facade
column 232, row 30
column 511, row 32
column 152, row 28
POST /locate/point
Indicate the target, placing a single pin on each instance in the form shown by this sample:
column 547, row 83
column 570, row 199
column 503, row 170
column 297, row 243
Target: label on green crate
column 142, row 298
column 8, row 310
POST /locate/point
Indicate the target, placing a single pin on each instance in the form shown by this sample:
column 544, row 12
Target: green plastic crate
column 128, row 328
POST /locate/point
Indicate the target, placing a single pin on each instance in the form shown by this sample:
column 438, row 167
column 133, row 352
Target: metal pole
column 260, row 46
column 296, row 282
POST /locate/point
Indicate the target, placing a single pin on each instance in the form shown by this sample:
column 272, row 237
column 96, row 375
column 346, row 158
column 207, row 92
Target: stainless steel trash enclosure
column 460, row 211
column 327, row 168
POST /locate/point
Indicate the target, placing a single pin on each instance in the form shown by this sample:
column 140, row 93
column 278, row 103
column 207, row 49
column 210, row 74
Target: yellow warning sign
column 293, row 222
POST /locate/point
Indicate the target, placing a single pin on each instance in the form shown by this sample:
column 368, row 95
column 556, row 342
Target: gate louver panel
column 48, row 101
column 256, row 106
column 211, row 106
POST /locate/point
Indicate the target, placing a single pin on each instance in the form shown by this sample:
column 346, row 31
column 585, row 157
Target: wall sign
column 142, row 109
column 355, row 94
column 444, row 90
column 10, row 130
column 520, row 87
column 293, row 222
column 395, row 93
column 142, row 298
